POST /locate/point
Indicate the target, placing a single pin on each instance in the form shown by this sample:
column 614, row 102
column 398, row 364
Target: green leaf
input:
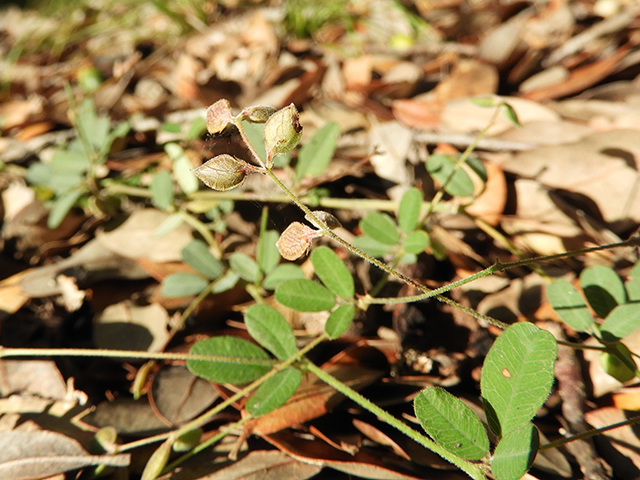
column 409, row 210
column 315, row 155
column 228, row 370
column 185, row 178
column 416, row 242
column 603, row 289
column 380, row 227
column 515, row 453
column 267, row 252
column 371, row 247
column 484, row 101
column 183, row 285
column 274, row 392
column 511, row 115
column 198, row 256
column 569, row 305
column 517, row 376
column 305, row 296
column 245, row 266
column 622, row 369
column 632, row 285
column 162, row 190
column 255, row 134
column 440, row 167
column 476, row 165
column 621, row 322
column 282, row 273
column 169, row 224
column 339, row 320
column 61, row 207
column 158, row 460
column 332, row 271
column 451, row 423
column 197, row 128
column 226, row 282
column 269, row 328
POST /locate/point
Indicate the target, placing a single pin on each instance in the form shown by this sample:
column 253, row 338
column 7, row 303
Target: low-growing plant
column 517, row 374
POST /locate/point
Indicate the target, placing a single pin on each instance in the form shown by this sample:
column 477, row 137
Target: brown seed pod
column 219, row 116
column 326, row 218
column 224, row 172
column 282, row 132
column 295, row 241
column 257, row 114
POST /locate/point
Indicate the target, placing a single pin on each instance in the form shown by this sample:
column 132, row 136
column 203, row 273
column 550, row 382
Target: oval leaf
column 515, row 453
column 162, row 190
column 268, row 327
column 198, row 256
column 185, row 178
column 371, row 246
column 315, row 155
column 228, row 370
column 183, row 285
column 517, row 376
column 305, row 296
column 632, row 285
column 332, row 271
column 451, row 423
column 61, row 207
column 416, row 242
column 267, row 251
column 409, row 211
column 441, row 167
column 282, row 273
column 621, row 322
column 274, row 392
column 603, row 288
column 380, row 227
column 245, row 266
column 569, row 305
column 339, row 321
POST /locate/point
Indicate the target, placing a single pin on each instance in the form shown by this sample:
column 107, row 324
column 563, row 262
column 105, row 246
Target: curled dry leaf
column 224, row 172
column 326, row 218
column 219, row 116
column 282, row 131
column 296, row 240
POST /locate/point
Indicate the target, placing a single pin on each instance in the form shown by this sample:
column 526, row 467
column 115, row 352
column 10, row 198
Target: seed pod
column 258, row 114
column 224, row 172
column 295, row 241
column 326, row 218
column 282, row 132
column 219, row 116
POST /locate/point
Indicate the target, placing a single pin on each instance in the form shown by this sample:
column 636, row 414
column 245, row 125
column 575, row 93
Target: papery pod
column 219, row 116
column 329, row 220
column 282, row 132
column 224, row 172
column 257, row 114
column 295, row 241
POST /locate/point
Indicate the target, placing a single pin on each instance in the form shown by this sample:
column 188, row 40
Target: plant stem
column 101, row 353
column 473, row 470
column 588, row 434
column 204, row 231
column 497, row 267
